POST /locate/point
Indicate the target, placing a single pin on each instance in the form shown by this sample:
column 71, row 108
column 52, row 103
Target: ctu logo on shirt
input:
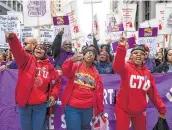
column 139, row 82
column 42, row 72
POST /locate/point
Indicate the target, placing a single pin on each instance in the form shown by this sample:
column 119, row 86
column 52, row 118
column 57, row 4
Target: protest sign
column 128, row 15
column 46, row 35
column 67, row 32
column 37, row 12
column 161, row 17
column 148, row 36
column 61, row 20
column 26, row 32
column 8, row 23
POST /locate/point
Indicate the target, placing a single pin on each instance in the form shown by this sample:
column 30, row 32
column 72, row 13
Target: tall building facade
column 146, row 10
column 56, row 7
column 10, row 5
column 16, row 5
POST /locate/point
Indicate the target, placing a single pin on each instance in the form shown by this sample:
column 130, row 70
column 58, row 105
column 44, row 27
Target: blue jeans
column 33, row 117
column 78, row 119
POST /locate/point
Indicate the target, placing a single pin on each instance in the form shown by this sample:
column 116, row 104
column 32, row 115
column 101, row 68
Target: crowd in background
column 59, row 51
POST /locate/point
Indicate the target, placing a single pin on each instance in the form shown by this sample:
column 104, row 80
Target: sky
column 84, row 16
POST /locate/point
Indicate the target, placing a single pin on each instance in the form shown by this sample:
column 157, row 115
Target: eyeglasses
column 26, row 43
column 40, row 47
column 67, row 45
column 90, row 53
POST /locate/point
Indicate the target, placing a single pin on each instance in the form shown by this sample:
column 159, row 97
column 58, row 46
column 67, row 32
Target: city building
column 10, row 5
column 56, row 7
column 146, row 10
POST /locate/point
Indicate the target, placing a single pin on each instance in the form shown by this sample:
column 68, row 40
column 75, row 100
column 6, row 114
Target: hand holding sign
column 61, row 31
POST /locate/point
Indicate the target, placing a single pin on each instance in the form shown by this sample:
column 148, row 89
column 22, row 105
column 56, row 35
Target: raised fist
column 61, row 32
column 9, row 35
column 122, row 41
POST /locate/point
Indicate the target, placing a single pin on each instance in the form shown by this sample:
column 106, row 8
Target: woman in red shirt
column 38, row 84
column 137, row 84
column 83, row 95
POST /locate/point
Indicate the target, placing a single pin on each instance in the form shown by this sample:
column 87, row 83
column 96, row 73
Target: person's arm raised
column 69, row 66
column 56, row 46
column 17, row 50
column 119, row 65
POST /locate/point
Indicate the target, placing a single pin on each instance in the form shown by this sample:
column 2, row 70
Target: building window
column 147, row 16
column 164, row 1
column 147, row 6
column 18, row 6
column 137, row 16
column 137, row 26
column 9, row 3
column 147, row 10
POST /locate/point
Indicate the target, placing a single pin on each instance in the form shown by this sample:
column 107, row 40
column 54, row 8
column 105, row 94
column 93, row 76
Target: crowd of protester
column 83, row 95
column 59, row 51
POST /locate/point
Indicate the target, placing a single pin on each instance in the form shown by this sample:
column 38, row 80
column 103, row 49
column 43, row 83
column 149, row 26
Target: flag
column 96, row 26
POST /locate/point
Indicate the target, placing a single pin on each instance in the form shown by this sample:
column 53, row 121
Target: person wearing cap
column 103, row 65
column 137, row 83
column 38, row 84
column 83, row 96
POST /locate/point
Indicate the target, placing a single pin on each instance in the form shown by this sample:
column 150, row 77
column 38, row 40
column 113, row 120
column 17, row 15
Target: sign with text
column 150, row 42
column 37, row 12
column 148, row 32
column 111, row 83
column 67, row 32
column 8, row 23
column 161, row 17
column 26, row 32
column 46, row 35
column 128, row 15
column 115, row 28
column 61, row 20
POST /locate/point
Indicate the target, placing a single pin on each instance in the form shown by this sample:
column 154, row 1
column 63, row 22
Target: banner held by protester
column 57, row 122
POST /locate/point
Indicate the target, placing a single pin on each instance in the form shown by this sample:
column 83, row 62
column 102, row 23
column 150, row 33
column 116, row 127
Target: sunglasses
column 90, row 53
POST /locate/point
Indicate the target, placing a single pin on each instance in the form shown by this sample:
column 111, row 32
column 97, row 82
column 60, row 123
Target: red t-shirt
column 83, row 91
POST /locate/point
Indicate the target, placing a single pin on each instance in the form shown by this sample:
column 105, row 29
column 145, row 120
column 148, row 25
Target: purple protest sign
column 61, row 20
column 148, row 32
column 115, row 28
column 37, row 8
column 130, row 44
column 9, row 119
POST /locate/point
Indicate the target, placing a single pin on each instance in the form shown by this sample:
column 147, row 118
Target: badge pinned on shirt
column 43, row 69
column 107, row 69
column 53, row 82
